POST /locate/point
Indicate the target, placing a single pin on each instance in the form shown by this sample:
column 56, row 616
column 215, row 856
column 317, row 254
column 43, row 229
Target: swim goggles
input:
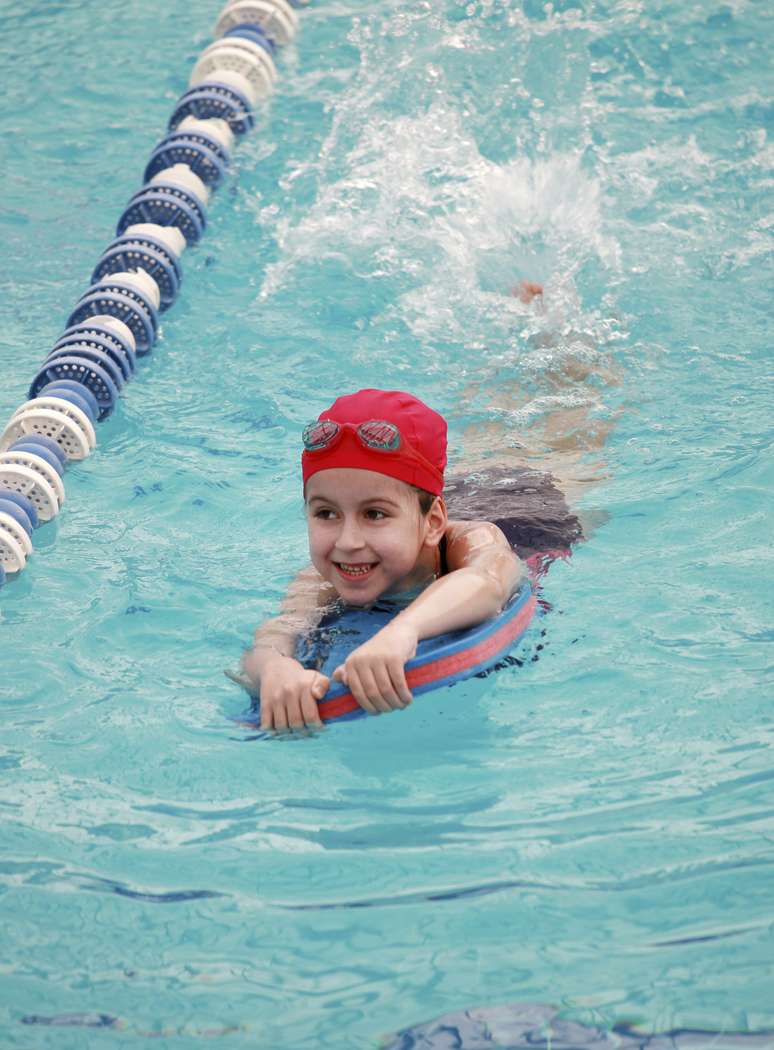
column 375, row 434
column 376, row 441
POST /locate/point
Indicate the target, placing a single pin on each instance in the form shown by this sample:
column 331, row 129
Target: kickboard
column 439, row 661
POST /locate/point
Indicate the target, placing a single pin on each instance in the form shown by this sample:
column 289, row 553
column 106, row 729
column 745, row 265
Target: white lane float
column 234, row 59
column 39, row 465
column 55, row 418
column 77, row 416
column 26, row 482
column 231, row 80
column 12, row 556
column 276, row 18
column 217, row 132
column 9, row 526
column 259, row 52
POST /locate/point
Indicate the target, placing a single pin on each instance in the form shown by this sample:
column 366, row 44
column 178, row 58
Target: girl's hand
column 289, row 695
column 375, row 672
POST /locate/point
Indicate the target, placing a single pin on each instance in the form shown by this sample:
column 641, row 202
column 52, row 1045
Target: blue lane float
column 178, row 148
column 104, row 300
column 254, row 34
column 78, row 369
column 138, row 275
column 24, row 504
column 124, row 358
column 84, row 352
column 201, row 133
column 20, row 515
column 125, row 253
column 167, row 203
column 35, row 447
column 149, row 247
column 215, row 101
column 51, row 446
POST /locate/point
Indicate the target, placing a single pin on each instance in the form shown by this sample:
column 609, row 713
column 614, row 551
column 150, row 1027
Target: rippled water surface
column 591, row 830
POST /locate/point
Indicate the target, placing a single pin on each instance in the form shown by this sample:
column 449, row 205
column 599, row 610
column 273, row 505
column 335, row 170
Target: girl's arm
column 483, row 573
column 289, row 692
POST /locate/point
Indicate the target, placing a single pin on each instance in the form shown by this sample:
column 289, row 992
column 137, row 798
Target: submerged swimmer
column 537, row 1026
column 373, row 470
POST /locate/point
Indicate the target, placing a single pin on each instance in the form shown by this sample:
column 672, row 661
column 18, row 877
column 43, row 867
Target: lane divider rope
column 138, row 276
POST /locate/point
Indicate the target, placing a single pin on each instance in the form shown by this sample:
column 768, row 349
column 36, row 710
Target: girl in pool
column 373, row 470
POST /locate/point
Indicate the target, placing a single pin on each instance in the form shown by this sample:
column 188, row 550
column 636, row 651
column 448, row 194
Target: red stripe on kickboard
column 456, row 663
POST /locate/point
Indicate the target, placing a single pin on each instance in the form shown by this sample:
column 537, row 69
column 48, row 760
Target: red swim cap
column 421, row 458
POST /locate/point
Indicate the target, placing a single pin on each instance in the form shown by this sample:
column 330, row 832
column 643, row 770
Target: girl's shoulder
column 458, row 529
column 464, row 541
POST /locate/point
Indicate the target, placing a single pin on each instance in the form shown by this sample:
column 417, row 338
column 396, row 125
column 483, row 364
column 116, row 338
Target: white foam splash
column 417, row 201
column 426, row 235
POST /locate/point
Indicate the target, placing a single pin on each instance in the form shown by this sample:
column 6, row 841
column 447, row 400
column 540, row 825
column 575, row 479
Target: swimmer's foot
column 527, row 290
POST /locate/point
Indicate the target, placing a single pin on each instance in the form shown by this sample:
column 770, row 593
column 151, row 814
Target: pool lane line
column 138, row 276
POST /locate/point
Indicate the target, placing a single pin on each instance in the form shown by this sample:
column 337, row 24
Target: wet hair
column 426, row 499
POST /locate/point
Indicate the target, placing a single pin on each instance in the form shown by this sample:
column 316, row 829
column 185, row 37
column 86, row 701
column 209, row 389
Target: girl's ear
column 436, row 522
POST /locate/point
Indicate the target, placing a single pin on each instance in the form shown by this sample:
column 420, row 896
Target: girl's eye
column 324, row 514
column 374, row 514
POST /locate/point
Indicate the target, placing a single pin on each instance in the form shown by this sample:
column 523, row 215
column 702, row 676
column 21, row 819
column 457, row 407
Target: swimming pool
column 591, row 830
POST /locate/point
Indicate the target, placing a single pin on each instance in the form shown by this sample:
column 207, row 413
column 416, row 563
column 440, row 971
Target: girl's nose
column 350, row 537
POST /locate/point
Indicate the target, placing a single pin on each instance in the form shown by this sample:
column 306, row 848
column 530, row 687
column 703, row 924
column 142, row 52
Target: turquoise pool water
column 592, row 830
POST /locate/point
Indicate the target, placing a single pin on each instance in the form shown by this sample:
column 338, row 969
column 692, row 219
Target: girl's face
column 367, row 535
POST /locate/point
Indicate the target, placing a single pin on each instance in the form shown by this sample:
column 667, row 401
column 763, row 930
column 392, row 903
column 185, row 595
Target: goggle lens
column 379, row 434
column 319, row 434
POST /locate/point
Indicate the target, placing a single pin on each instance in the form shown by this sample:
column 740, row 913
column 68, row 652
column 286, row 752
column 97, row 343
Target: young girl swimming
column 373, row 470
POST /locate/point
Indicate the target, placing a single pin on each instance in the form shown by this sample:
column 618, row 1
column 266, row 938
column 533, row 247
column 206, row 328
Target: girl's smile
column 355, row 572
